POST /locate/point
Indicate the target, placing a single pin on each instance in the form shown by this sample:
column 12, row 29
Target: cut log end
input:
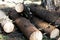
column 19, row 7
column 59, row 38
column 37, row 35
column 8, row 27
column 54, row 33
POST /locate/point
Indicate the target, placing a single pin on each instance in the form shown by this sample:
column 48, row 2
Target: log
column 19, row 7
column 57, row 3
column 6, row 23
column 32, row 2
column 48, row 16
column 58, row 38
column 49, row 29
column 50, row 5
column 29, row 30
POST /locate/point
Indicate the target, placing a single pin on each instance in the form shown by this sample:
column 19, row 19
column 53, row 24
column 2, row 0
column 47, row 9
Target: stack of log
column 29, row 19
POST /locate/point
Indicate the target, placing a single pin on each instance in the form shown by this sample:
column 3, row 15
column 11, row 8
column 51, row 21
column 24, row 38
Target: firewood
column 19, row 7
column 59, row 38
column 45, row 14
column 56, row 3
column 6, row 23
column 49, row 29
column 50, row 5
column 29, row 30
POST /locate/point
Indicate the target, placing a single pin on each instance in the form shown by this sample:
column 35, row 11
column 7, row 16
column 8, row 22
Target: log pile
column 51, row 30
column 29, row 19
column 51, row 17
column 26, row 27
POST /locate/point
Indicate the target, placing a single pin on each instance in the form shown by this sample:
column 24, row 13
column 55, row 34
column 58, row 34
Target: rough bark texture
column 45, row 14
column 13, row 14
column 25, row 26
column 45, row 26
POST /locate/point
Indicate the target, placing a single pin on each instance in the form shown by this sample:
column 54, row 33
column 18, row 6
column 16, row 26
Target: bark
column 52, row 17
column 49, row 29
column 26, row 27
